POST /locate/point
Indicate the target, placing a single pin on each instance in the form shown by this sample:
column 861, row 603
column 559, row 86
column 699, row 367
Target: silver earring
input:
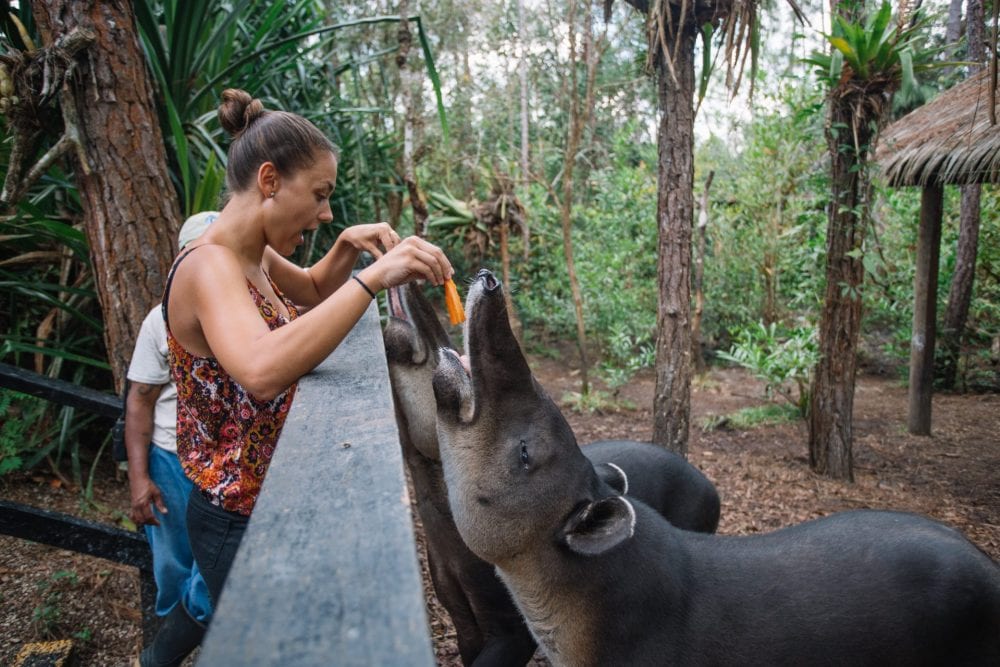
column 271, row 195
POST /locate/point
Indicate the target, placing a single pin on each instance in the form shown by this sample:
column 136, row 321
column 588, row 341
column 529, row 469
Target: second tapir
column 490, row 630
column 604, row 580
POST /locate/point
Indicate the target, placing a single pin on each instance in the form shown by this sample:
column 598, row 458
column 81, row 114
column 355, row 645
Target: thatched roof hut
column 953, row 140
column 948, row 141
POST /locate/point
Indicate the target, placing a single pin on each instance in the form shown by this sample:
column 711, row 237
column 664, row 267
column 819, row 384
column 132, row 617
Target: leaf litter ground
column 762, row 475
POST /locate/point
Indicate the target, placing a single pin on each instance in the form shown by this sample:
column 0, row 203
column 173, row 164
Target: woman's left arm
column 309, row 286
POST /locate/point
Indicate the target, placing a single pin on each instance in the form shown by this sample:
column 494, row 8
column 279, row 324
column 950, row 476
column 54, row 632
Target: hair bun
column 238, row 110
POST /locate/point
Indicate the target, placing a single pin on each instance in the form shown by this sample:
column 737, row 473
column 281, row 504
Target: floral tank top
column 225, row 436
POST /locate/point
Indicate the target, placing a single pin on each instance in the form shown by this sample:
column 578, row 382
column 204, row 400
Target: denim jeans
column 174, row 568
column 215, row 536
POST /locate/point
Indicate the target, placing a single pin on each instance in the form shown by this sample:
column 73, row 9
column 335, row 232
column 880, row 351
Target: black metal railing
column 64, row 530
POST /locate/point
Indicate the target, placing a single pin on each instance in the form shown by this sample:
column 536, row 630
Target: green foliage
column 890, row 264
column 294, row 56
column 13, row 431
column 47, row 614
column 749, row 418
column 873, row 49
column 595, row 401
column 614, row 241
column 46, row 287
column 625, row 356
column 766, row 225
column 783, row 359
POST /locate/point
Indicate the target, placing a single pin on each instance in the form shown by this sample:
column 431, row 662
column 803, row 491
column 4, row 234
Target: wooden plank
column 924, row 332
column 327, row 572
column 60, row 391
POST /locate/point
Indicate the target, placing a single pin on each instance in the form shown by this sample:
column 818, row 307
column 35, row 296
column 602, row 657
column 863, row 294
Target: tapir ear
column 613, row 476
column 398, row 337
column 452, row 387
column 600, row 526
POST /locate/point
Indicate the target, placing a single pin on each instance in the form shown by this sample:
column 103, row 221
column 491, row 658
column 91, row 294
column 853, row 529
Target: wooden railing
column 66, row 531
column 327, row 573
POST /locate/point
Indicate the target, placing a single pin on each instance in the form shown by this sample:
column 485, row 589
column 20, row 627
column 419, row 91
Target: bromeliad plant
column 872, row 58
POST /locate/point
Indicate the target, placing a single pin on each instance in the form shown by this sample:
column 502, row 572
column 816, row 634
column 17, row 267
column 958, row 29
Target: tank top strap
column 170, row 279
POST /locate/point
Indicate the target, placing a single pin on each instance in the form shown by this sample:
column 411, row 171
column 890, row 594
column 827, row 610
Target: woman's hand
column 408, row 260
column 373, row 238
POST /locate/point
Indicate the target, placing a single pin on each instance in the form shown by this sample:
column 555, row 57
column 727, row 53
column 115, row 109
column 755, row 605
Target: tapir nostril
column 489, row 280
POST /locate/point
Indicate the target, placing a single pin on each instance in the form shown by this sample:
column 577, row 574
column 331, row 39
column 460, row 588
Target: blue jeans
column 174, row 568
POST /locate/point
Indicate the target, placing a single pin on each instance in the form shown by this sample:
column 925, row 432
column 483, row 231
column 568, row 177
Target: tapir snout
column 412, row 337
column 504, row 443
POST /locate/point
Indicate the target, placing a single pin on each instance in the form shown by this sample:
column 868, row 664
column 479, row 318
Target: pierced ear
column 267, row 179
column 613, row 476
column 601, row 526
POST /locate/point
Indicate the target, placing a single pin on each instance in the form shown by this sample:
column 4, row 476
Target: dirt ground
column 762, row 476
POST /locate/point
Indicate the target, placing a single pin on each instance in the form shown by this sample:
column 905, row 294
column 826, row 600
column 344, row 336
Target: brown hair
column 285, row 139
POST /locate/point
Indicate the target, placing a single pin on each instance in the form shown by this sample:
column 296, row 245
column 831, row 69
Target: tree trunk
column 960, row 293
column 574, row 133
column 953, row 27
column 515, row 323
column 130, row 208
column 675, row 213
column 925, row 282
column 830, row 418
column 522, row 74
column 699, row 273
column 409, row 83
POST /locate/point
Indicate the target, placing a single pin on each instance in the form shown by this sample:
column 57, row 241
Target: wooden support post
column 925, row 285
column 327, row 573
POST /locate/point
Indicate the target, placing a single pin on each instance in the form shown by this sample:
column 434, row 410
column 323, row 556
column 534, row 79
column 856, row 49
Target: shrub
column 784, row 360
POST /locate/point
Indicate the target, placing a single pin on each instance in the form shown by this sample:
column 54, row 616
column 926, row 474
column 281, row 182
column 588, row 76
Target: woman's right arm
column 211, row 314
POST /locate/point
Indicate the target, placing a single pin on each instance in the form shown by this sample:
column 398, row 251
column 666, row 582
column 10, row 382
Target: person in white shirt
column 159, row 489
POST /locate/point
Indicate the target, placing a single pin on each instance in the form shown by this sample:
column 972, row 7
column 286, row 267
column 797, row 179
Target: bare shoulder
column 209, row 265
column 207, row 284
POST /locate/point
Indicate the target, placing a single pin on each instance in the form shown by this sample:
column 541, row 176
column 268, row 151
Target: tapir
column 602, row 579
column 489, row 628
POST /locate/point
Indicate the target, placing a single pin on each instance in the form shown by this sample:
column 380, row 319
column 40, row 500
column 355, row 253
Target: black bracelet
column 367, row 288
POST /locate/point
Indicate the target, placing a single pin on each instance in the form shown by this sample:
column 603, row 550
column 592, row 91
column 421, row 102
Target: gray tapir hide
column 489, row 628
column 604, row 580
column 663, row 480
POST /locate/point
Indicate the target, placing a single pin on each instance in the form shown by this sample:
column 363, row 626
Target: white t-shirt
column 149, row 366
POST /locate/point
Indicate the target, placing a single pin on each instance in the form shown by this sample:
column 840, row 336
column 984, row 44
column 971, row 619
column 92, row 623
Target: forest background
column 506, row 129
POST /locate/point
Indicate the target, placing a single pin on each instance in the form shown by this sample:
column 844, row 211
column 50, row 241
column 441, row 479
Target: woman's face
column 302, row 203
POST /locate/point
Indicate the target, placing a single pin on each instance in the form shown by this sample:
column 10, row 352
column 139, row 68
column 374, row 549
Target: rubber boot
column 179, row 634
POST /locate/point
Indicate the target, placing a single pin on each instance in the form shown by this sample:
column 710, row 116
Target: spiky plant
column 871, row 60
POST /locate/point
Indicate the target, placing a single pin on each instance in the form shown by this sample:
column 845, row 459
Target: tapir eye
column 525, row 459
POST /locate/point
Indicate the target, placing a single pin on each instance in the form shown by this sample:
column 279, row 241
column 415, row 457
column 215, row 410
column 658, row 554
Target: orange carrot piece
column 456, row 313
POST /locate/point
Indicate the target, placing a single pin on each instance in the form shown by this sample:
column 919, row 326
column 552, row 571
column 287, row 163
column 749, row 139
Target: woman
column 237, row 342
